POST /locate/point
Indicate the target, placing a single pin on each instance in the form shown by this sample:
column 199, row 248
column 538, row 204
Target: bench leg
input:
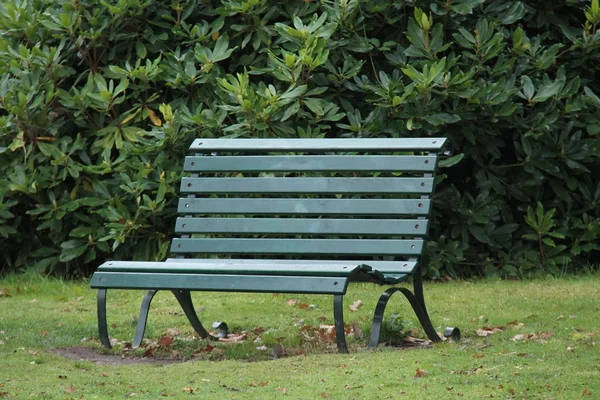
column 185, row 301
column 338, row 316
column 419, row 309
column 143, row 318
column 102, row 325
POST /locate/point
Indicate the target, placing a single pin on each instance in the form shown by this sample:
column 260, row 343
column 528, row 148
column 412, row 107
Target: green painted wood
column 309, row 163
column 386, row 267
column 307, row 185
column 220, row 283
column 319, row 145
column 318, row 226
column 297, row 246
column 225, row 267
column 265, row 206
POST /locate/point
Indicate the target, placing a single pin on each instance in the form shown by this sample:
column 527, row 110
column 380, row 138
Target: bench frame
column 185, row 275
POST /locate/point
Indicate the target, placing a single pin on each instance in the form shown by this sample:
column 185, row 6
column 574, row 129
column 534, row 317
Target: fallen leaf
column 586, row 393
column 571, row 348
column 520, row 336
column 324, row 395
column 282, row 389
column 165, row 340
column 488, row 330
column 4, row 292
column 541, row 335
column 44, row 333
column 303, row 306
column 206, row 349
column 413, row 341
column 420, row 373
column 189, row 390
column 252, row 384
column 263, row 384
column 104, row 374
column 292, row 302
column 70, row 389
column 356, row 305
column 173, row 331
column 348, row 387
column 1, row 341
column 232, row 338
column 149, row 351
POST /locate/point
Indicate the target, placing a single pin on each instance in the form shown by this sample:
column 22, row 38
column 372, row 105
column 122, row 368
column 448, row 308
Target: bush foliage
column 99, row 100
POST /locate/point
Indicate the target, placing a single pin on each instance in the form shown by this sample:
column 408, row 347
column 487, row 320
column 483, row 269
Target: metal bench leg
column 453, row 334
column 338, row 316
column 414, row 302
column 102, row 325
column 185, row 301
column 143, row 318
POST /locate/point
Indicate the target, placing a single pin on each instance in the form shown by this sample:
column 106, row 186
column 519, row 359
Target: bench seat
column 259, row 275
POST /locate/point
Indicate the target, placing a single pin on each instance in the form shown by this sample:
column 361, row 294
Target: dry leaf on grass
column 420, row 373
column 356, row 305
column 487, row 331
column 165, row 340
column 233, row 338
column 173, row 332
column 413, row 341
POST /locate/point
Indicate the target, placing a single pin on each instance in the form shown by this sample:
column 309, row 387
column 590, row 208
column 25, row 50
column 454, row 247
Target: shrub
column 99, row 100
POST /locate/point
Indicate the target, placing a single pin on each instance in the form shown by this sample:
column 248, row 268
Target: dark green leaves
column 97, row 108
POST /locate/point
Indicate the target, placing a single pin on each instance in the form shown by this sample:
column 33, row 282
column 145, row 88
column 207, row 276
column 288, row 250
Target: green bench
column 293, row 216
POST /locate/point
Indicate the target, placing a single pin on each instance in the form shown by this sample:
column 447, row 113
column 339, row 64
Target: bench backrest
column 307, row 198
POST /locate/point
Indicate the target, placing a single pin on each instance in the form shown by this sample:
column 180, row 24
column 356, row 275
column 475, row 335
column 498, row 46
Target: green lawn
column 544, row 347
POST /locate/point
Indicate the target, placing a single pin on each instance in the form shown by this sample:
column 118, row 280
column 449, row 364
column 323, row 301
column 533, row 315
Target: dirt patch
column 92, row 355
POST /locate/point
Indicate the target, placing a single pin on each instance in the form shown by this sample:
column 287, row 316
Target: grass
column 546, row 346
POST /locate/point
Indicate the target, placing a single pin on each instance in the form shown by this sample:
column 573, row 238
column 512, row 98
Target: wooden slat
column 307, row 185
column 220, row 283
column 231, row 267
column 315, row 226
column 386, row 267
column 319, row 145
column 297, row 246
column 305, row 206
column 309, row 163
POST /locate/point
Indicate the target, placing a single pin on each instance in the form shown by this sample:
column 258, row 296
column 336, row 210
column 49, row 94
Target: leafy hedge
column 99, row 100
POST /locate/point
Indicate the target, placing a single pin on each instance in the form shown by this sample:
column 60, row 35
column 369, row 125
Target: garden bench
column 293, row 216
